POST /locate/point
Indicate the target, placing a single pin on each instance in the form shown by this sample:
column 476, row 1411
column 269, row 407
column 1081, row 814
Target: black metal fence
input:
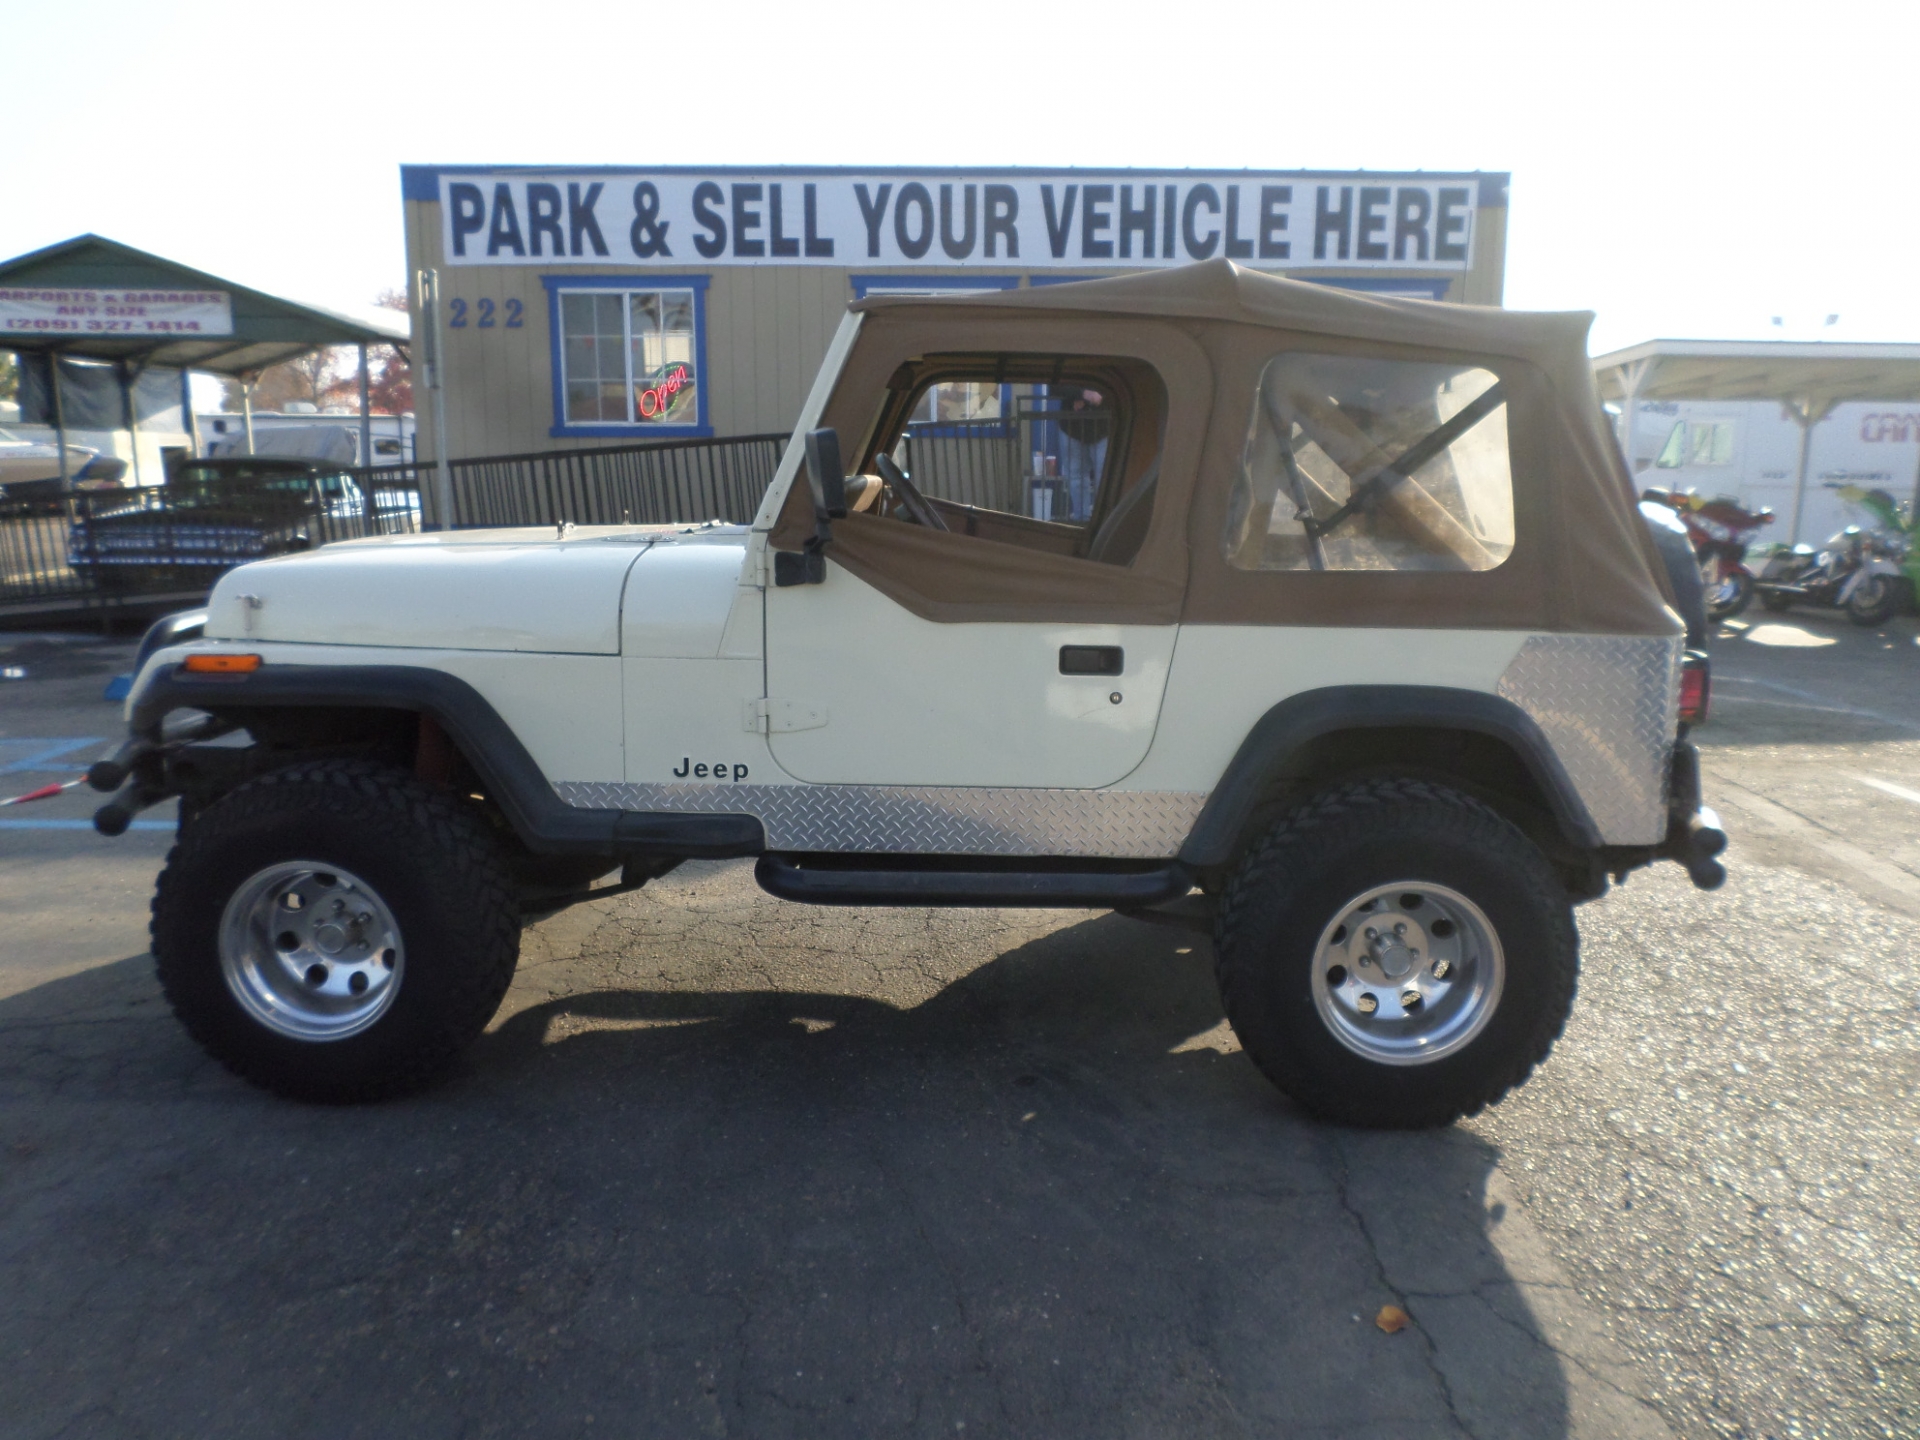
column 112, row 546
column 663, row 482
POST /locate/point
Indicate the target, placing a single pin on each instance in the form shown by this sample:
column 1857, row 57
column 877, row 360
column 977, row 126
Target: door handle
column 1092, row 659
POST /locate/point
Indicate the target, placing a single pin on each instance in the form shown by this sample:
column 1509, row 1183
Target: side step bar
column 948, row 880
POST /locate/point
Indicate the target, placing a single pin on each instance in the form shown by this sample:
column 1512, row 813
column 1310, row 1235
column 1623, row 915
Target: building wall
column 1869, row 444
column 767, row 325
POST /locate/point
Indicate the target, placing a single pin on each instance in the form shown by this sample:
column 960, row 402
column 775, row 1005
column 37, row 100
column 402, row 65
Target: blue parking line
column 78, row 825
column 53, row 750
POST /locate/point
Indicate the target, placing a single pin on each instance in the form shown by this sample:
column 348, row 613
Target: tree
column 392, row 390
column 9, row 376
column 332, row 377
column 310, row 378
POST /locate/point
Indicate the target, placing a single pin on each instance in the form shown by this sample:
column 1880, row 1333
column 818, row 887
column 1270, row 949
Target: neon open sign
column 658, row 399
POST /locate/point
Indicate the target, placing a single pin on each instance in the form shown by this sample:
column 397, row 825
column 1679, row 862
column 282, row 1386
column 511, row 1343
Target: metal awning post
column 59, row 420
column 1633, row 379
column 246, row 408
column 1806, row 412
column 429, row 298
column 186, row 410
column 127, row 375
column 366, row 411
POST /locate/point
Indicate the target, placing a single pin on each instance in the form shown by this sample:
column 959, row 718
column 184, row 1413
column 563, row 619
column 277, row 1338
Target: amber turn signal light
column 217, row 664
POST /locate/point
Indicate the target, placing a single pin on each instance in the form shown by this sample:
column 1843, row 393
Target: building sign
column 945, row 218
column 30, row 311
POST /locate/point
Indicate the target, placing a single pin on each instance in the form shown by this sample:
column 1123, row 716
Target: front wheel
column 1396, row 955
column 1874, row 600
column 335, row 931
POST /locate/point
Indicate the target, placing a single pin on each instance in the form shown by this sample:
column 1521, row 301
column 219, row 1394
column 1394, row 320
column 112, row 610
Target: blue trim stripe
column 426, row 177
column 865, row 285
column 419, row 182
column 79, row 825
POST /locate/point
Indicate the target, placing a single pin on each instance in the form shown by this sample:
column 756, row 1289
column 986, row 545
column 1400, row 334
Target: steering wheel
column 911, row 500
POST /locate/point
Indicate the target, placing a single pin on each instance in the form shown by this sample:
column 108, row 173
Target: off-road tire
column 1294, row 883
column 435, row 866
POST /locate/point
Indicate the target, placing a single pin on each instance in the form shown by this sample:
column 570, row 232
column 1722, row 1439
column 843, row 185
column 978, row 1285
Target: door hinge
column 778, row 717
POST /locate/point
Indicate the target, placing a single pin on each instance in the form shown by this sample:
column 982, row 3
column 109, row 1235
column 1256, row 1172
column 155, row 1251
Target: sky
column 1682, row 169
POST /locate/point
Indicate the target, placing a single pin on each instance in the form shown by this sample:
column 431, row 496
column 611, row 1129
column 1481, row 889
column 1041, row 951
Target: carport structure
column 1807, row 379
column 95, row 299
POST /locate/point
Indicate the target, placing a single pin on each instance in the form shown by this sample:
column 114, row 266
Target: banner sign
column 31, row 311
column 946, row 219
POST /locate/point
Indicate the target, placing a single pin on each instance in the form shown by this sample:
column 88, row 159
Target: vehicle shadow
column 1051, row 1199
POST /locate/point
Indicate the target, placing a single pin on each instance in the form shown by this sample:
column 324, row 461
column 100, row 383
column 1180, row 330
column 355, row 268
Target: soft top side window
column 1053, row 452
column 1366, row 463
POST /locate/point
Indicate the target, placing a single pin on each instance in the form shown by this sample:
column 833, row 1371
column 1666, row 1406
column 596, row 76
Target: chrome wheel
column 1408, row 972
column 310, row 951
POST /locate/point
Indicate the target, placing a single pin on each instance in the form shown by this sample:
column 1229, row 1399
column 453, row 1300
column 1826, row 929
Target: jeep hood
column 521, row 589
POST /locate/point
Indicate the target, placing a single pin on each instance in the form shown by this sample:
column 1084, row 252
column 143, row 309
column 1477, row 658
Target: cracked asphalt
column 725, row 1166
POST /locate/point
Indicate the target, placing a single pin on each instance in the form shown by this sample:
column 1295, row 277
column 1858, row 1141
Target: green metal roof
column 266, row 328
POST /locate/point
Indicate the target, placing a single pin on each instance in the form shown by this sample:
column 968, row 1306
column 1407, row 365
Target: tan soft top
column 1222, row 290
column 1582, row 562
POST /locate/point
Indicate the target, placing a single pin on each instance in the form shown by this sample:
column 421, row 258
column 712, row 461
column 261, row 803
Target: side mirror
column 826, row 474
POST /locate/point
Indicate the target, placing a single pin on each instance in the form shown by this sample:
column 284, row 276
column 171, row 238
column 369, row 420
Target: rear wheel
column 1395, row 954
column 335, row 931
column 1729, row 595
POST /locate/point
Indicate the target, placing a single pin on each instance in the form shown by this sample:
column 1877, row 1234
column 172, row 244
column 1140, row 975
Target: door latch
column 1092, row 659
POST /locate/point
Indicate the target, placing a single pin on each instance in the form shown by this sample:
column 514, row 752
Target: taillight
column 1696, row 687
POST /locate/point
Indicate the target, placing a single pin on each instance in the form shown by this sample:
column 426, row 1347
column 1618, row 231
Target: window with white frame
column 629, row 357
column 1697, row 442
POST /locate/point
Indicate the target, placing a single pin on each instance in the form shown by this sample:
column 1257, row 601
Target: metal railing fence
column 112, row 546
column 660, row 482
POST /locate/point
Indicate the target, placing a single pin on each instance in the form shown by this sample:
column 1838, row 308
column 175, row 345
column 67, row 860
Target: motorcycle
column 1720, row 531
column 1872, row 574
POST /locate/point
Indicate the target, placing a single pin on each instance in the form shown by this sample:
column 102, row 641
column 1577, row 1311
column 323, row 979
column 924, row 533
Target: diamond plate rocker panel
column 1608, row 704
column 950, row 820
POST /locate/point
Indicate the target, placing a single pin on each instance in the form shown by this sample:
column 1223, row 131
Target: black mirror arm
column 828, row 481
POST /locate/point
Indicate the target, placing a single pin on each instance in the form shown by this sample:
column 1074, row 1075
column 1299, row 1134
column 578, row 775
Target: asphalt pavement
column 728, row 1166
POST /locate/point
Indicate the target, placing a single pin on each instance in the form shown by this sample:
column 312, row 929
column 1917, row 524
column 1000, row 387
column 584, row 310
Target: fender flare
column 1300, row 719
column 544, row 822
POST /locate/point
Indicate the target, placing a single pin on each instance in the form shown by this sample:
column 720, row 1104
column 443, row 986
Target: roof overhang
column 266, row 328
column 1811, row 377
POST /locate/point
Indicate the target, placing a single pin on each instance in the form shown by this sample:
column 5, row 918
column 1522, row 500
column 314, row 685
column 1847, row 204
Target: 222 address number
column 457, row 319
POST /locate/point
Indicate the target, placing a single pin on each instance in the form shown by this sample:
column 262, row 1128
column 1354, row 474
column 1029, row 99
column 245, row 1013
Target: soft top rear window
column 1367, row 463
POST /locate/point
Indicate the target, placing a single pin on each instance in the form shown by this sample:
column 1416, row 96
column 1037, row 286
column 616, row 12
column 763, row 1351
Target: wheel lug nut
column 1372, row 934
column 1440, row 969
column 1367, row 1004
column 1401, row 928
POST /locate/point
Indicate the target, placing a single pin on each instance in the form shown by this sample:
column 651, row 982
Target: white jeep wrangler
column 1334, row 609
